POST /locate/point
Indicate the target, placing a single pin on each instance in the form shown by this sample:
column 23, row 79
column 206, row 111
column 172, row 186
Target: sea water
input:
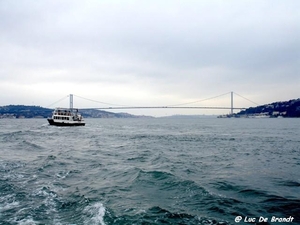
column 150, row 171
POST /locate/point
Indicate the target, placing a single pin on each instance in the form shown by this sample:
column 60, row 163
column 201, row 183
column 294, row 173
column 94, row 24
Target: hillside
column 22, row 111
column 289, row 108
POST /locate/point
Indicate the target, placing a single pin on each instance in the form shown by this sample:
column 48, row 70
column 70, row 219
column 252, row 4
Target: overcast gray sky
column 149, row 52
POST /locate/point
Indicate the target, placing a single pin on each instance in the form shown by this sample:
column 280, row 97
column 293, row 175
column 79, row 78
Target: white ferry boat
column 66, row 116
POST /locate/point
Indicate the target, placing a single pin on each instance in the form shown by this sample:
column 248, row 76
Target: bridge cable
column 202, row 100
column 246, row 99
column 57, row 101
column 100, row 101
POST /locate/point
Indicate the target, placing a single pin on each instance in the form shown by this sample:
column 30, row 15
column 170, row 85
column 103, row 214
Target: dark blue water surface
column 150, row 171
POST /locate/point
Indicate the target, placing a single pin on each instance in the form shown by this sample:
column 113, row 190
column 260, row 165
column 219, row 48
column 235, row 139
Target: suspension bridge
column 187, row 105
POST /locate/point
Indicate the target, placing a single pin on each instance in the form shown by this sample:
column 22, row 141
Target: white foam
column 8, row 202
column 9, row 206
column 26, row 221
column 95, row 214
column 62, row 175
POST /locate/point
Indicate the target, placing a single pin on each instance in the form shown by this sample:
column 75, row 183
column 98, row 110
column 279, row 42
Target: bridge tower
column 71, row 101
column 232, row 103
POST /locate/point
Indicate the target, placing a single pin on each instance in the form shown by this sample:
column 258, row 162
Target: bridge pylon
column 232, row 103
column 71, row 101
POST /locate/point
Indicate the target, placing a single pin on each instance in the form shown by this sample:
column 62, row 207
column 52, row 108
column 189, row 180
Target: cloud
column 173, row 51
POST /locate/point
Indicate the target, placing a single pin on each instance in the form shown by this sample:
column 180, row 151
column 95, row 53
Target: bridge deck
column 164, row 107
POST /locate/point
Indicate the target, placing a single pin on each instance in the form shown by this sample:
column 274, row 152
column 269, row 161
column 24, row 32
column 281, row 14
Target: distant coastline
column 23, row 111
column 284, row 109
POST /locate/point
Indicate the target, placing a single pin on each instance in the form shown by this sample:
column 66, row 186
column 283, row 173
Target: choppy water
column 150, row 171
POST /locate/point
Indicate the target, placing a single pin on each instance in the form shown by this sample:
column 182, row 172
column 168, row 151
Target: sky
column 149, row 53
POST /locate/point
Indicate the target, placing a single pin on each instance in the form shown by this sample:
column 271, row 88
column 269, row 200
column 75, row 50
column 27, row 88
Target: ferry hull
column 65, row 124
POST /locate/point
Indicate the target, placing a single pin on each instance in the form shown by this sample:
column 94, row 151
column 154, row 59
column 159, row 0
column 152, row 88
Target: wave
column 95, row 214
column 160, row 216
column 31, row 145
column 285, row 206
